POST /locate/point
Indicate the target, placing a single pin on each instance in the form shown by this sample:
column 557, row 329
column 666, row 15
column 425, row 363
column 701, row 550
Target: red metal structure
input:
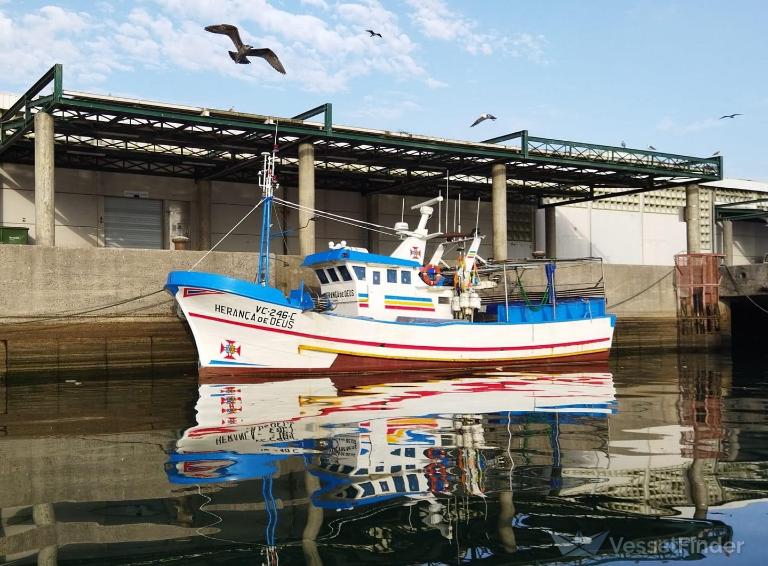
column 697, row 287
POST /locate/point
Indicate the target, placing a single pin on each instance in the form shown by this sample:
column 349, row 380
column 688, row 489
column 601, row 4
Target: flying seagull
column 373, row 33
column 244, row 51
column 730, row 116
column 482, row 117
column 623, row 143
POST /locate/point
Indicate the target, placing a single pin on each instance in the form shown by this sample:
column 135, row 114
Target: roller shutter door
column 133, row 223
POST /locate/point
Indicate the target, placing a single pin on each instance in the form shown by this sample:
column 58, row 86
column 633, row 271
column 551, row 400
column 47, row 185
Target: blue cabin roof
column 344, row 254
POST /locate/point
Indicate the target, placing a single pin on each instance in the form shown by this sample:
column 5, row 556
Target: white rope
column 350, row 223
column 216, row 245
column 306, row 208
column 342, row 219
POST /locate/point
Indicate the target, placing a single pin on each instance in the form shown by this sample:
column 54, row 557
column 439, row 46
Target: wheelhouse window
column 344, row 273
column 391, row 275
column 321, row 276
column 333, row 275
column 405, row 277
column 359, row 272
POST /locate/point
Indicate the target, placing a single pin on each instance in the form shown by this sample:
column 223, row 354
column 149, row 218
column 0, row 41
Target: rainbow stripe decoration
column 398, row 302
column 362, row 300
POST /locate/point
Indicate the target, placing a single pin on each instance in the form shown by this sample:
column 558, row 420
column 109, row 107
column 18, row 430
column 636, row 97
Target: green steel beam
column 26, row 101
column 730, row 212
column 349, row 135
column 507, row 137
column 35, row 89
column 578, row 163
column 577, row 153
column 740, row 202
column 325, row 109
column 58, row 81
column 592, row 197
column 8, row 141
column 739, row 214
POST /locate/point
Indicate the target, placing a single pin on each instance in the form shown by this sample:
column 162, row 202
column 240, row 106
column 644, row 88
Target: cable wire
column 227, row 234
column 643, row 291
column 736, row 287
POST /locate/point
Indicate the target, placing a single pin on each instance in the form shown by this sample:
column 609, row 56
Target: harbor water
column 658, row 457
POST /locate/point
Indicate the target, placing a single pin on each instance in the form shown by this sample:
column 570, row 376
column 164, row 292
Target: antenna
column 440, row 211
column 402, row 211
column 477, row 218
column 459, row 212
column 454, row 216
column 447, row 200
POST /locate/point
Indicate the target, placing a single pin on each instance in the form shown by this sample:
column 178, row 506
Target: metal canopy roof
column 748, row 210
column 106, row 133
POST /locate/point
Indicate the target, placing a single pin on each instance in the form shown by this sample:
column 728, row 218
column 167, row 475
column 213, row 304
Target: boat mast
column 266, row 180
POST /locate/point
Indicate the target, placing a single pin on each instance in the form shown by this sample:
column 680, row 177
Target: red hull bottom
column 360, row 367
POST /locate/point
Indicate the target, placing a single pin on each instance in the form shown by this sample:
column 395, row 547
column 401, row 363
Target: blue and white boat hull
column 240, row 326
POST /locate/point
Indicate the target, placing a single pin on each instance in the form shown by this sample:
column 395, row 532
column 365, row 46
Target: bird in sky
column 244, row 51
column 716, row 153
column 623, row 143
column 651, row 147
column 373, row 33
column 730, row 116
column 481, row 118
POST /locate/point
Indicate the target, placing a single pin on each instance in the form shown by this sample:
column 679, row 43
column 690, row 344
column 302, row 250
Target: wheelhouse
column 359, row 283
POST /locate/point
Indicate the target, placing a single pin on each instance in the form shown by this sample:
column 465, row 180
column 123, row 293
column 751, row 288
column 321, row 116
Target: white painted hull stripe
column 399, row 346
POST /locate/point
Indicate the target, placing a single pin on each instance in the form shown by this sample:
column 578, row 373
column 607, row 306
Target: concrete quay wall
column 41, row 281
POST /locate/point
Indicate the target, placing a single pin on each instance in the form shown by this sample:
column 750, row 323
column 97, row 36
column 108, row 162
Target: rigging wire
column 341, row 219
column 247, row 214
column 331, row 214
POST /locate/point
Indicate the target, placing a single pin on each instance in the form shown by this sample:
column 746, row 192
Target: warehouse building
column 80, row 171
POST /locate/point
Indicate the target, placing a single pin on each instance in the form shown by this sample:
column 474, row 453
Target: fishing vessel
column 379, row 312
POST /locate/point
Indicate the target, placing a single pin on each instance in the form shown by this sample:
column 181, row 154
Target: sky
column 647, row 72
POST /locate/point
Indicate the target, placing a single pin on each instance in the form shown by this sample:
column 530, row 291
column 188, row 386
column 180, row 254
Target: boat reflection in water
column 474, row 467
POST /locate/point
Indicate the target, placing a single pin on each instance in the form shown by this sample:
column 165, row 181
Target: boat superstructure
column 377, row 311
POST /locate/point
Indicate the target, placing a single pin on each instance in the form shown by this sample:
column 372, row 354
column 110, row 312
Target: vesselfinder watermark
column 581, row 545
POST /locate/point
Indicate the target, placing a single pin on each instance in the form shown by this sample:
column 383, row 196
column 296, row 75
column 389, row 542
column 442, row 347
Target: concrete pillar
column 204, row 215
column 539, row 230
column 43, row 516
column 306, row 198
column 314, row 523
column 45, row 232
column 550, row 229
column 499, row 205
column 692, row 219
column 697, row 486
column 506, row 516
column 728, row 241
column 372, row 215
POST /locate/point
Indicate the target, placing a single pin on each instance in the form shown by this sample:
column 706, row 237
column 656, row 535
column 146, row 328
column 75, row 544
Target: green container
column 9, row 235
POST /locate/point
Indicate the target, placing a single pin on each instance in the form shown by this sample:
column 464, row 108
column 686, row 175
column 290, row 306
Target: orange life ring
column 430, row 274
